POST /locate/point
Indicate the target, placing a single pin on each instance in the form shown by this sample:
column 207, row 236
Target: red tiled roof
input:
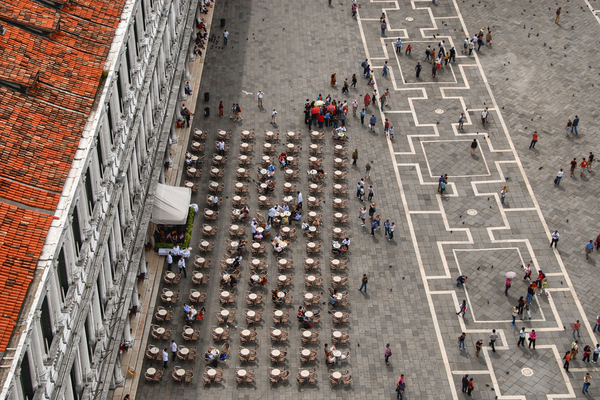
column 48, row 82
column 22, row 235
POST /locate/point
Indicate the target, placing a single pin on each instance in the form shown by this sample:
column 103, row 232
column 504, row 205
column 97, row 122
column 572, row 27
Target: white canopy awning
column 171, row 205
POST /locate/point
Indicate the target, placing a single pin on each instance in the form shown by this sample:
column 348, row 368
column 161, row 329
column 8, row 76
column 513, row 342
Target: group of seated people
column 303, row 319
column 335, row 297
column 277, row 241
column 260, row 235
column 339, row 133
column 173, row 234
column 283, row 159
column 191, row 314
column 261, row 280
column 241, row 213
column 227, row 279
column 343, row 247
column 271, row 171
column 321, row 174
column 278, row 301
column 306, row 225
column 329, row 357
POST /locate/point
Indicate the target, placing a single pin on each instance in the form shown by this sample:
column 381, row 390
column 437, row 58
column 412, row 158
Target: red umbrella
column 315, row 110
column 331, row 107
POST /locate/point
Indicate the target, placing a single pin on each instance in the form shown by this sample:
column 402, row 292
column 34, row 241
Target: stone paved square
column 289, row 50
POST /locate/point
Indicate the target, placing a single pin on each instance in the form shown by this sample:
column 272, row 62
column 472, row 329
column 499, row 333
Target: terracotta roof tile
column 48, row 83
column 22, row 235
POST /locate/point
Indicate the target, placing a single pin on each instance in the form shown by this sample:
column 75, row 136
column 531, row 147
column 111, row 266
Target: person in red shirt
column 367, row 101
column 534, row 140
column 583, row 165
column 573, row 166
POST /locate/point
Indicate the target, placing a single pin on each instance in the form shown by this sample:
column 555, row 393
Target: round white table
column 214, row 184
column 200, row 260
column 306, row 353
column 262, row 198
column 241, row 170
column 239, row 185
column 225, row 294
column 256, row 261
column 267, row 145
column 288, row 199
column 224, row 313
column 209, row 212
column 308, row 296
column 290, row 146
column 287, row 185
column 283, row 245
column 229, row 261
column 312, row 214
column 189, row 184
column 311, row 278
column 313, row 159
column 275, row 353
column 219, row 331
column 256, row 245
column 309, row 261
column 254, row 277
column 278, row 313
column 184, row 351
column 170, row 275
column 198, row 275
column 337, row 278
column 195, row 294
column 204, row 243
column 335, row 261
column 339, row 147
column 289, row 171
column 275, row 372
column 241, row 372
column 162, row 312
column 268, row 133
column 194, row 158
column 250, row 314
column 266, row 158
column 259, row 230
column 192, row 170
column 338, row 314
column 336, row 245
column 180, row 372
column 244, row 352
column 338, row 173
column 218, row 158
column 245, row 332
column 207, row 228
column 311, row 199
column 337, row 230
column 314, row 146
column 336, row 375
column 154, row 350
column 337, row 201
column 304, row 373
column 151, row 371
column 337, row 334
column 244, row 145
column 307, row 334
column 252, row 296
column 282, row 278
column 276, row 332
column 160, row 330
column 280, row 295
column 189, row 331
column 308, row 314
column 283, row 261
column 312, row 228
column 285, row 229
column 337, row 353
column 211, row 372
column 312, row 245
column 168, row 293
column 243, row 157
column 337, row 160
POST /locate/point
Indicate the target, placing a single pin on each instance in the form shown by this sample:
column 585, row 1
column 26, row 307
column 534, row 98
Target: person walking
column 354, row 81
column 583, row 165
column 478, row 347
column 165, row 357
column 588, row 249
column 221, row 109
column 373, row 227
column 299, row 200
column 333, row 79
column 557, row 19
column 527, row 309
column 522, row 334
column 473, row 146
column 408, row 50
column 383, row 26
column 544, row 288
column 530, row 293
column 534, row 140
column 532, row 338
column 493, row 337
column 521, row 304
column 392, row 229
column 398, row 45
column 387, row 354
column 514, row 311
column 462, row 308
column 362, row 116
column 559, row 176
column 587, row 380
column 354, row 108
column 385, row 69
column 470, row 387
column 597, row 326
column 567, row 359
column 555, row 237
column 274, row 117
column 418, row 69
column 568, row 127
column 461, row 122
column 225, row 36
column 503, row 194
column 442, row 187
column 590, row 161
column 575, row 124
column 181, row 265
column 587, row 351
column 461, row 341
column 573, row 166
column 596, row 354
column 169, row 261
column 465, row 383
column 367, row 171
column 174, row 349
column 576, row 328
column 527, row 270
column 367, row 101
column 574, row 350
column 507, row 286
column 364, row 281
column 221, row 147
column 260, row 96
column 371, row 193
column 354, row 157
column 386, row 227
column 433, row 70
column 362, row 215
